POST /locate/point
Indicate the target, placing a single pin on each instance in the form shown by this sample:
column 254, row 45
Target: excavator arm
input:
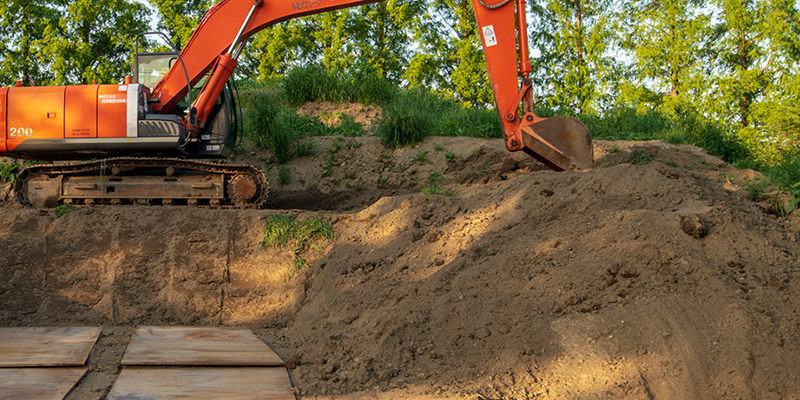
column 561, row 143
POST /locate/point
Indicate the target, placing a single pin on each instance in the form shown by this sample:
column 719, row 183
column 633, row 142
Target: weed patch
column 313, row 83
column 287, row 232
column 283, row 175
column 421, row 157
column 637, row 157
column 8, row 172
column 327, row 164
column 433, row 186
column 64, row 209
column 418, row 113
column 755, row 190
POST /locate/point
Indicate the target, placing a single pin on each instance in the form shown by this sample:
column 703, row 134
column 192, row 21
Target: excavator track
column 142, row 181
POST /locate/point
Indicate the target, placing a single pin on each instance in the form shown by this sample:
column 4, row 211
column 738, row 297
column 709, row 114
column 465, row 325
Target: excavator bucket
column 561, row 143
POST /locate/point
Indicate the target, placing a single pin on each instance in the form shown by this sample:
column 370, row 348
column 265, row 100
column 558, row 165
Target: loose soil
column 647, row 281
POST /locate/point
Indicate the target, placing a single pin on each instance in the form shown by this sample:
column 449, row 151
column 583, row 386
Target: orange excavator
column 144, row 139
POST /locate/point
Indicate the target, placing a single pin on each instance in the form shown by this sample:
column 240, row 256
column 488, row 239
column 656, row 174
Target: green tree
column 667, row 39
column 450, row 56
column 22, row 26
column 382, row 32
column 376, row 35
column 178, row 18
column 761, row 85
column 571, row 41
column 93, row 40
column 750, row 53
column 316, row 39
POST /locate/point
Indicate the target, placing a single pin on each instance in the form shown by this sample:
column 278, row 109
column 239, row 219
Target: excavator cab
column 220, row 133
column 149, row 68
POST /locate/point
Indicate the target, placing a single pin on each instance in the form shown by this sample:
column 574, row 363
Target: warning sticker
column 488, row 36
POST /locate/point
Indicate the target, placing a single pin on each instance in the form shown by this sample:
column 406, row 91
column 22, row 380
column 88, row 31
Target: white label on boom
column 488, row 36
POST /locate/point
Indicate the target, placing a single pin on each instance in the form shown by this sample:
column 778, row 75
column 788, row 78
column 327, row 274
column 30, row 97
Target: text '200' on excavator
column 143, row 139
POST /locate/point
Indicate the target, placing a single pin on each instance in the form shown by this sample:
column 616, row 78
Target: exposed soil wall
column 631, row 281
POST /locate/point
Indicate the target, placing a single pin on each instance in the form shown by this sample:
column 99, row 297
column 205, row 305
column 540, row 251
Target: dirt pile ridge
column 652, row 281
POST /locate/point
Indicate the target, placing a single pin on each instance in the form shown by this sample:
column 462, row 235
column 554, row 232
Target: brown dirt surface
column 331, row 113
column 656, row 280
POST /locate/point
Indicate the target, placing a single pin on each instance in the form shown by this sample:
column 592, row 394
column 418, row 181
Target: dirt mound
column 641, row 279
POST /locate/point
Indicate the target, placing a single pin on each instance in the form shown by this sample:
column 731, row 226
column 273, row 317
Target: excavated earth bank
column 653, row 281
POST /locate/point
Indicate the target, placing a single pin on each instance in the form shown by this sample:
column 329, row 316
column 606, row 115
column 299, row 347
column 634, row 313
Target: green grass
column 421, row 157
column 348, row 127
column 8, row 172
column 337, row 145
column 283, row 175
column 755, row 190
column 785, row 175
column 64, row 209
column 314, row 83
column 271, row 125
column 620, row 123
column 433, row 186
column 637, row 157
column 327, row 164
column 284, row 231
column 418, row 113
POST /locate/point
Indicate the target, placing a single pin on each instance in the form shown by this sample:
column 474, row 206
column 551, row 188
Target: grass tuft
column 312, row 83
column 287, row 232
column 637, row 157
column 756, row 189
column 64, row 209
column 283, row 175
column 433, row 186
column 421, row 157
column 8, row 172
column 418, row 113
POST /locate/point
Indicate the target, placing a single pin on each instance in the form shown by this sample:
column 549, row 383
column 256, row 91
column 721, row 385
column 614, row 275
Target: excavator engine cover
column 561, row 143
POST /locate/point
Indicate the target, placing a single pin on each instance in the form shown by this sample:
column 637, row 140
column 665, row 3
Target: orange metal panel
column 3, row 130
column 499, row 36
column 112, row 106
column 34, row 113
column 80, row 112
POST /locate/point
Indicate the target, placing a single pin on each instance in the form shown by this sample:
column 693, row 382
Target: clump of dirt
column 637, row 280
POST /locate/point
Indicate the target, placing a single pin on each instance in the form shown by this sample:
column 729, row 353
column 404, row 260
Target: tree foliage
column 452, row 58
column 573, row 39
column 92, row 41
column 22, row 26
column 668, row 40
column 178, row 18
